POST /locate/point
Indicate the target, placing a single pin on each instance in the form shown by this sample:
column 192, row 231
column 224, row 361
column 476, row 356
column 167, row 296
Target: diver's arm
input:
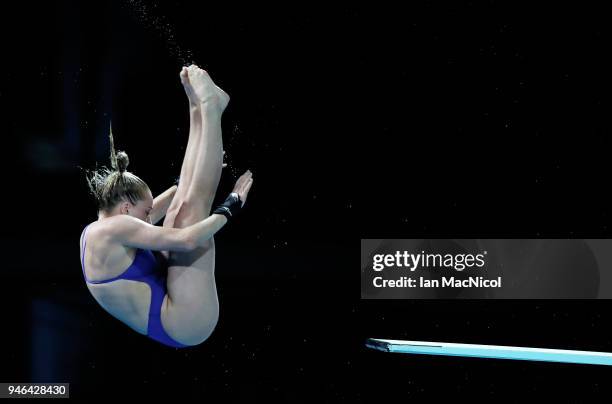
column 132, row 232
column 161, row 204
column 198, row 233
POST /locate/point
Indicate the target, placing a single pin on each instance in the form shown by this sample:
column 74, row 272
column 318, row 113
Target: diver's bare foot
column 208, row 94
column 193, row 98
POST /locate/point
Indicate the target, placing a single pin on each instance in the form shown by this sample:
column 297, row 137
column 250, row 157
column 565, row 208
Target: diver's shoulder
column 109, row 227
column 117, row 226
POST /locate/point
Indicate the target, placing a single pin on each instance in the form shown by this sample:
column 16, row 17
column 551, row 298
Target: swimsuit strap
column 84, row 243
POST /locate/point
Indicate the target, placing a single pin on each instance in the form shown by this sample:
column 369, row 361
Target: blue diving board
column 490, row 351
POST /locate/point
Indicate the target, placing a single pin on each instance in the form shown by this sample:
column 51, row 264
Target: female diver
column 178, row 307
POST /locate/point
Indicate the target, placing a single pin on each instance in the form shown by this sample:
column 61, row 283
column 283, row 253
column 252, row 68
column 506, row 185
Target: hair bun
column 122, row 161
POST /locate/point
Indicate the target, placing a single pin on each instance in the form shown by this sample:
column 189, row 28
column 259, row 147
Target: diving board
column 490, row 351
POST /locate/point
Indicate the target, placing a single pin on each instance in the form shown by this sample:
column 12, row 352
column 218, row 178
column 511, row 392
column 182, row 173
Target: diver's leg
column 191, row 308
column 208, row 163
column 195, row 133
column 201, row 169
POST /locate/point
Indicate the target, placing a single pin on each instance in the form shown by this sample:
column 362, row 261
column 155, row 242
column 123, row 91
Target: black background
column 440, row 120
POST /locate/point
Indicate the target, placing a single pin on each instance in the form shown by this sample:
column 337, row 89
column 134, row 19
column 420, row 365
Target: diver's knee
column 191, row 322
column 201, row 333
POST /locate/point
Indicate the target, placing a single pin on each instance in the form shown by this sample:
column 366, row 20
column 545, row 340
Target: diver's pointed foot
column 207, row 92
column 184, row 76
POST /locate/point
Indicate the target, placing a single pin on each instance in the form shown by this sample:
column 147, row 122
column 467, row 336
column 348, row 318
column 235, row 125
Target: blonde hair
column 109, row 186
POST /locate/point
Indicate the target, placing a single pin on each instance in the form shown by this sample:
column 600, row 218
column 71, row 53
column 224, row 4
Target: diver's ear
column 124, row 208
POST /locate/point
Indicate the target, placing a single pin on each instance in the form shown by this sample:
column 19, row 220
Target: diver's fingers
column 248, row 185
column 246, row 189
column 240, row 182
column 243, row 177
column 244, row 192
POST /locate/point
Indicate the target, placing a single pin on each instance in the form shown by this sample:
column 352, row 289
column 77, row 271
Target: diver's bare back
column 104, row 259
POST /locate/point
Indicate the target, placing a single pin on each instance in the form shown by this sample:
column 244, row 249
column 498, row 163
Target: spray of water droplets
column 145, row 14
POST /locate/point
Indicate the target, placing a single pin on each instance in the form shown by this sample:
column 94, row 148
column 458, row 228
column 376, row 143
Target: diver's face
column 142, row 210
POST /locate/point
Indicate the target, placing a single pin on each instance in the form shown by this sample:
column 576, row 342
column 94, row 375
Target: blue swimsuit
column 145, row 268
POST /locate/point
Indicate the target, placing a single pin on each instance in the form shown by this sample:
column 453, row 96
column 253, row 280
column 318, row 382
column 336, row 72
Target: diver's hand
column 243, row 185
